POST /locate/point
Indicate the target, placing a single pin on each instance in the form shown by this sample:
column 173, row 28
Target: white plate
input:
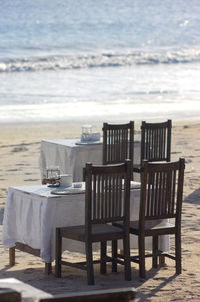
column 89, row 143
column 67, row 191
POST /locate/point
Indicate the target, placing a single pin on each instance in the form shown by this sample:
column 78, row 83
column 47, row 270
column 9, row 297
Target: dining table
column 71, row 155
column 32, row 214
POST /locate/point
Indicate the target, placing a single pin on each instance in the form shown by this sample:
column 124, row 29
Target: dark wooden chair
column 103, row 295
column 118, row 142
column 155, row 142
column 105, row 202
column 160, row 202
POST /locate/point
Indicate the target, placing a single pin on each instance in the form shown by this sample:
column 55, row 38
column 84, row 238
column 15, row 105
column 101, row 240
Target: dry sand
column 19, row 150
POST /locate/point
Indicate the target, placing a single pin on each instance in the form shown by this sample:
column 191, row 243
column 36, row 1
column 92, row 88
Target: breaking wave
column 66, row 62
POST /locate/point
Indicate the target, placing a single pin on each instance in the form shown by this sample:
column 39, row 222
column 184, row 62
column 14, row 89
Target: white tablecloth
column 32, row 214
column 71, row 158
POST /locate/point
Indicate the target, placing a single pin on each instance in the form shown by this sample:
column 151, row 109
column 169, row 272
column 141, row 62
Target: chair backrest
column 156, row 141
column 161, row 190
column 107, row 193
column 118, row 142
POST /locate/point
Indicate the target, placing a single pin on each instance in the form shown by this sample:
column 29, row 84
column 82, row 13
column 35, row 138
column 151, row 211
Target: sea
column 99, row 60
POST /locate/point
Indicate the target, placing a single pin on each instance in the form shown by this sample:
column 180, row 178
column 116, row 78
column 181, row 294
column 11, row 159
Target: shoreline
column 92, row 111
column 115, row 120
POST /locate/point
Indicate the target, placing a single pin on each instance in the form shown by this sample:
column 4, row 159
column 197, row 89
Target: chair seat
column 151, row 227
column 100, row 232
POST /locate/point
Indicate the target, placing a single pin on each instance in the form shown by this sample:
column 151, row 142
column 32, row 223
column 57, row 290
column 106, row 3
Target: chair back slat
column 161, row 189
column 156, row 141
column 95, row 206
column 117, row 142
column 107, row 192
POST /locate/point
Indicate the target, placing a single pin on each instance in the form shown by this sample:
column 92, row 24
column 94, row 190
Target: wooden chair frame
column 155, row 142
column 105, row 203
column 160, row 201
column 118, row 142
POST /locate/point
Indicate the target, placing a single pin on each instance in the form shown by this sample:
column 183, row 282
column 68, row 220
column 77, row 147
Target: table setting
column 32, row 213
column 70, row 155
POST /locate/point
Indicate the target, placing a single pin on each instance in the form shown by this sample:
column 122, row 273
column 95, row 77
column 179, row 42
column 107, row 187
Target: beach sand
column 19, row 165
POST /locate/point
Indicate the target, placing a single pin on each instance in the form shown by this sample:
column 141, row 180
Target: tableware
column 52, row 177
column 77, row 185
column 88, row 135
column 65, row 180
column 86, row 129
column 53, row 173
column 67, row 191
column 89, row 143
column 55, row 185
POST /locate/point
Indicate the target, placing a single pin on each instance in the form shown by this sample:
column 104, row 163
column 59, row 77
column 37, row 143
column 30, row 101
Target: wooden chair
column 155, row 142
column 103, row 295
column 160, row 200
column 105, row 202
column 118, row 142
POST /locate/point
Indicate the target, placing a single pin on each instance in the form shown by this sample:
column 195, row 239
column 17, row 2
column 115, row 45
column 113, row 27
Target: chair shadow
column 141, row 297
column 193, row 198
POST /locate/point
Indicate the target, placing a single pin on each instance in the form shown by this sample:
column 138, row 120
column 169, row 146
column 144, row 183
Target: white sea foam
column 65, row 62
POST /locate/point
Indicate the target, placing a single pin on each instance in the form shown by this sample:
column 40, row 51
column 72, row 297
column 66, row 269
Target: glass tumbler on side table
column 52, row 176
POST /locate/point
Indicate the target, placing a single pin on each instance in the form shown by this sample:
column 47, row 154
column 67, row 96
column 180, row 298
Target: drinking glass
column 53, row 174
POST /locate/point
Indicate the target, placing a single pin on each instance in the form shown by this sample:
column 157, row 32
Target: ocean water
column 97, row 60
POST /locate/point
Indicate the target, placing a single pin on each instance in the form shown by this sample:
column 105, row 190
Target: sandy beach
column 19, row 165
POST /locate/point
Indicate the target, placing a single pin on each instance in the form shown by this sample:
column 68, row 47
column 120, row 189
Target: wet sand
column 19, row 165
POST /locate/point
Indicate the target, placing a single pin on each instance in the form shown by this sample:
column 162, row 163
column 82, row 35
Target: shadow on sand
column 193, row 198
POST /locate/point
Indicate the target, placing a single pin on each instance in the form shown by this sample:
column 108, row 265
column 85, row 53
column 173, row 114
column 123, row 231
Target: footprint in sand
column 37, row 179
column 19, row 149
column 29, row 271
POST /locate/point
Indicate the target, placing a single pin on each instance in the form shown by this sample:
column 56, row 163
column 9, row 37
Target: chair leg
column 114, row 256
column 103, row 257
column 161, row 260
column 89, row 260
column 155, row 251
column 58, row 253
column 48, row 268
column 141, row 244
column 127, row 258
column 178, row 252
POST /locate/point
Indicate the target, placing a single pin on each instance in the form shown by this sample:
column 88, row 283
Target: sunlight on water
column 86, row 58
